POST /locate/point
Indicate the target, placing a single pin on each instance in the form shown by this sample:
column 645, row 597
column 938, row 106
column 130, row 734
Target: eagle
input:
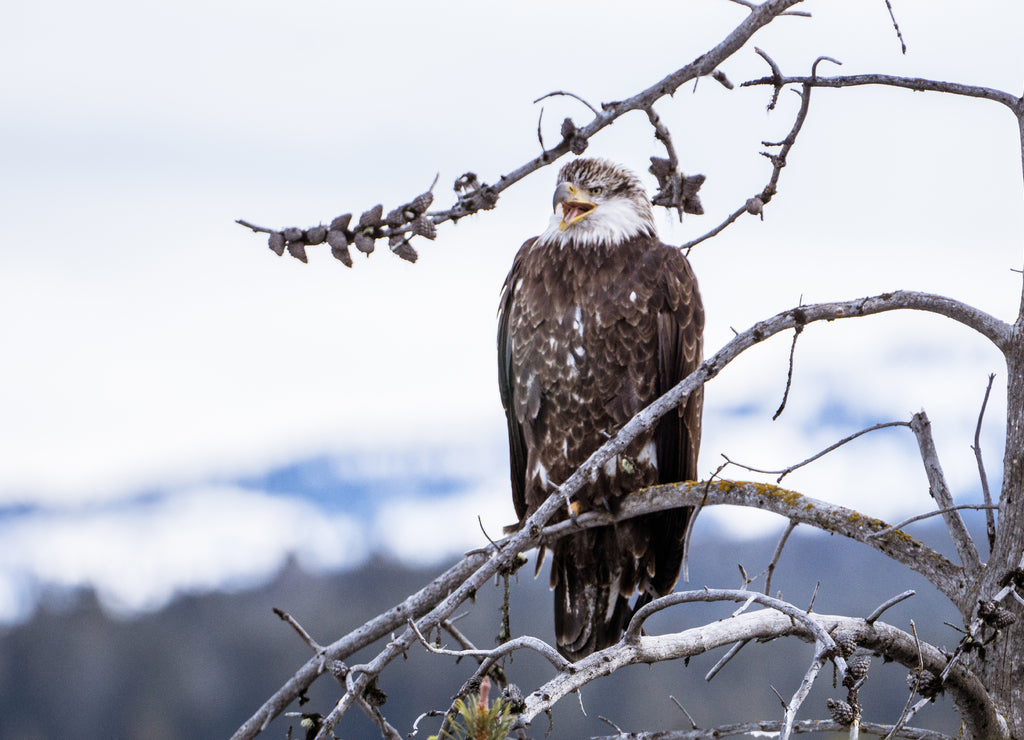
column 597, row 319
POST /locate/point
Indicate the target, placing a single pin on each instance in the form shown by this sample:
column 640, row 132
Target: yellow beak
column 575, row 204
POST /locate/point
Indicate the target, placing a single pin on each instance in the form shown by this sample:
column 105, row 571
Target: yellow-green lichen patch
column 767, row 490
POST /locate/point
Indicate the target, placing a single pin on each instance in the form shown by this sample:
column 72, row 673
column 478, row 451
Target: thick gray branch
column 772, row 727
column 944, row 575
column 966, row 690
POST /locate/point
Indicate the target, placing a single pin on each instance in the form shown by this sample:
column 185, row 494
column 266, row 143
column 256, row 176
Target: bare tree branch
column 474, row 196
column 967, row 690
column 873, row 617
column 755, row 204
column 786, row 471
column 909, row 83
column 944, row 575
column 473, row 572
column 770, row 727
column 940, row 492
column 929, row 515
column 990, row 519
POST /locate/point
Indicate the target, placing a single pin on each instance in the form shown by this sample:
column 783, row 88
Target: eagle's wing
column 680, row 349
column 506, row 381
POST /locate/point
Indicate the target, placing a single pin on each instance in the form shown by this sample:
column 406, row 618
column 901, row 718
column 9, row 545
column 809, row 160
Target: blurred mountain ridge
column 201, row 666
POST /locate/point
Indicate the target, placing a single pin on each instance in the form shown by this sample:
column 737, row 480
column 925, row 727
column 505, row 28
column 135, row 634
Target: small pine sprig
column 476, row 720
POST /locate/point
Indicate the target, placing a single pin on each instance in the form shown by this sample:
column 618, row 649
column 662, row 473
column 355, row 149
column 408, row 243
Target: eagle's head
column 598, row 202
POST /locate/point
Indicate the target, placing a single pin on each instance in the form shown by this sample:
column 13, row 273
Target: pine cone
column 337, row 238
column 856, row 669
column 405, row 251
column 276, row 243
column 341, row 222
column 994, row 615
column 371, row 218
column 316, row 235
column 292, row 234
column 846, row 643
column 395, row 218
column 421, row 203
column 298, row 251
column 364, row 243
column 578, row 144
column 841, row 712
column 928, row 684
column 341, row 253
column 424, row 227
column 661, row 168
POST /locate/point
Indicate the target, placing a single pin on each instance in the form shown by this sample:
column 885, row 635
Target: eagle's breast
column 584, row 358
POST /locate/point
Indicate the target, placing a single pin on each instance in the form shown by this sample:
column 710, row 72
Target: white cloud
column 429, row 530
column 139, row 555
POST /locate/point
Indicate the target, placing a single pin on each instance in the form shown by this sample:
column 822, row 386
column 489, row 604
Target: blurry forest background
column 201, row 666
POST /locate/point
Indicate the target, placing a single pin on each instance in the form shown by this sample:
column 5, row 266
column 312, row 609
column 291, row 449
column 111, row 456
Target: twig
column 770, row 570
column 306, row 638
column 490, row 656
column 990, row 520
column 786, row 471
column 480, row 521
column 729, row 655
column 881, row 609
column 690, row 522
column 909, row 83
column 683, row 710
column 895, row 25
column 752, row 5
column 804, row 689
column 940, row 492
column 755, row 205
column 424, row 715
column 776, row 75
column 913, row 689
column 595, row 111
column 937, row 512
column 814, row 597
column 789, row 375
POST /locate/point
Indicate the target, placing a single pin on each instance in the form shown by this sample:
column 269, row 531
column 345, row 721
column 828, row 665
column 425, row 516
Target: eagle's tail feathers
column 590, row 613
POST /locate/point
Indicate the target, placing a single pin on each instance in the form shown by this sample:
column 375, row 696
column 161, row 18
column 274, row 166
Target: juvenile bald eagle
column 597, row 319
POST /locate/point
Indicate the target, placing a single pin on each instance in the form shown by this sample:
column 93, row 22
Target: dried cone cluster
column 841, row 711
column 676, row 190
column 856, row 669
column 407, row 220
column 846, row 643
column 994, row 615
column 576, row 140
column 928, row 684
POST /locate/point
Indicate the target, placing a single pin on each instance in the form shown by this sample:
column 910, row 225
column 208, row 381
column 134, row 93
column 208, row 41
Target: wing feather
column 506, row 384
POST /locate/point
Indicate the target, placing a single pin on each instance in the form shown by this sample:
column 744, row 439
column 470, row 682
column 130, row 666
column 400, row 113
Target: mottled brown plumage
column 597, row 319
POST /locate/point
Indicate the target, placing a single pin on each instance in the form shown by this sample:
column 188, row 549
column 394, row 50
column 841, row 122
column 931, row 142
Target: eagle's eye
column 597, row 190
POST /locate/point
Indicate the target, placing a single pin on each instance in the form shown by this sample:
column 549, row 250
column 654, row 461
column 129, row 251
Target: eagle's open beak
column 575, row 205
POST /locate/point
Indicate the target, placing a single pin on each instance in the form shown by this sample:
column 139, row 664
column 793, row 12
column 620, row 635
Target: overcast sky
column 151, row 344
